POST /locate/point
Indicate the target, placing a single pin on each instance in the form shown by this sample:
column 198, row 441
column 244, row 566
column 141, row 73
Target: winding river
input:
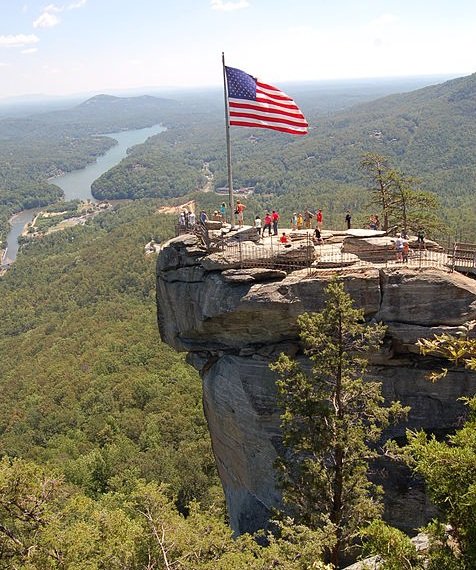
column 77, row 184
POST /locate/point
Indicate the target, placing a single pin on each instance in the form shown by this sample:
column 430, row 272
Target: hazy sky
column 80, row 46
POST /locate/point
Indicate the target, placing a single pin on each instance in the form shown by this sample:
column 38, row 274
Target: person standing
column 307, row 219
column 300, row 221
column 405, row 251
column 275, row 220
column 319, row 218
column 268, row 220
column 421, row 238
column 240, row 208
column 181, row 220
column 257, row 225
column 223, row 211
column 348, row 219
column 294, row 221
column 399, row 247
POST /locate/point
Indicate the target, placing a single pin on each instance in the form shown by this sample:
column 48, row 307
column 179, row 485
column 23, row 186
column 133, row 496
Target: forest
column 106, row 458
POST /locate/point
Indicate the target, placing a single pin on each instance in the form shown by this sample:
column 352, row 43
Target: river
column 77, row 184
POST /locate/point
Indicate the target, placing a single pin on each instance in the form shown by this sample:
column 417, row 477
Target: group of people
column 269, row 223
column 402, row 245
column 402, row 248
column 300, row 220
column 187, row 219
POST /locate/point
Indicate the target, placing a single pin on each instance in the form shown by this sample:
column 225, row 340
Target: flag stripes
column 255, row 104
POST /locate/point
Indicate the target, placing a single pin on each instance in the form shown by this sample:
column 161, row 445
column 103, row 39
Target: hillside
column 34, row 148
column 106, row 457
column 429, row 133
column 84, row 387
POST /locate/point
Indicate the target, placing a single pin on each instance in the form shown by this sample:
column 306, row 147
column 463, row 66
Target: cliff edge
column 234, row 321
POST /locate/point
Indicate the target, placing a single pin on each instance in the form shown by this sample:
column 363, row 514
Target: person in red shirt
column 268, row 220
column 319, row 218
column 284, row 239
column 275, row 218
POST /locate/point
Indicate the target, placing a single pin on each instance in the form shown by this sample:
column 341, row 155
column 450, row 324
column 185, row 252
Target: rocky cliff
column 233, row 322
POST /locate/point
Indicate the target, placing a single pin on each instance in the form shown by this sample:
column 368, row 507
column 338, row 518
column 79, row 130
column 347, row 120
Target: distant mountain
column 100, row 114
column 108, row 113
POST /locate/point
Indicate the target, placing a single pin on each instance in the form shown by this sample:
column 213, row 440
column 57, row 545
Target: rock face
column 233, row 322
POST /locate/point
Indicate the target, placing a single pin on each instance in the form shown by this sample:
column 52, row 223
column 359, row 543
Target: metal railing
column 273, row 255
column 305, row 254
column 417, row 258
column 464, row 257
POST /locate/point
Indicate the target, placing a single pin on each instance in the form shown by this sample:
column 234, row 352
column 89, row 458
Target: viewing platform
column 245, row 248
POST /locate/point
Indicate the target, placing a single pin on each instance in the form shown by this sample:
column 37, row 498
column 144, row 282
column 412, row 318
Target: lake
column 77, row 184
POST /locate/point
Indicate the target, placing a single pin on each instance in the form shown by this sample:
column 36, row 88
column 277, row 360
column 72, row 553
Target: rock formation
column 234, row 321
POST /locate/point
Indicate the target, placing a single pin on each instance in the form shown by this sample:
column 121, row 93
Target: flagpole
column 228, row 145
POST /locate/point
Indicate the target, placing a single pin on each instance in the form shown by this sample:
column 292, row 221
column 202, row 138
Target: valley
column 130, row 441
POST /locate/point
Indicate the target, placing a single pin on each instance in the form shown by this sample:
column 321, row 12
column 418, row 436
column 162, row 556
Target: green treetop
column 331, row 420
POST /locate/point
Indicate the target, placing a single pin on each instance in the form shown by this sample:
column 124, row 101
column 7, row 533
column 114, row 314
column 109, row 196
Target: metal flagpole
column 228, row 145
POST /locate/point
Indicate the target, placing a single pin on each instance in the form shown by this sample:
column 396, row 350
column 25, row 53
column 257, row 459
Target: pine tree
column 331, row 420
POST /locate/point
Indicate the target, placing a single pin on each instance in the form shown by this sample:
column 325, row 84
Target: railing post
column 455, row 247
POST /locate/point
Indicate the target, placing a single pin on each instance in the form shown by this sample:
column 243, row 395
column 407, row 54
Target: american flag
column 255, row 104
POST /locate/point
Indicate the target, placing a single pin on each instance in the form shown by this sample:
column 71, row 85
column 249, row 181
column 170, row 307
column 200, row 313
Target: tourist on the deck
column 421, row 238
column 406, row 251
column 186, row 213
column 191, row 219
column 223, row 211
column 294, row 221
column 268, row 220
column 257, row 225
column 300, row 221
column 203, row 217
column 307, row 219
column 317, row 238
column 217, row 216
column 284, row 239
column 399, row 247
column 348, row 219
column 377, row 222
column 240, row 208
column 181, row 219
column 319, row 218
column 275, row 220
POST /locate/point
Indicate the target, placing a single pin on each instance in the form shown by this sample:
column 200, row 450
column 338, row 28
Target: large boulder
column 234, row 321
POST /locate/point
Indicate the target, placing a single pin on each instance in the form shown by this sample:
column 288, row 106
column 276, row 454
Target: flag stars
column 255, row 104
column 240, row 84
